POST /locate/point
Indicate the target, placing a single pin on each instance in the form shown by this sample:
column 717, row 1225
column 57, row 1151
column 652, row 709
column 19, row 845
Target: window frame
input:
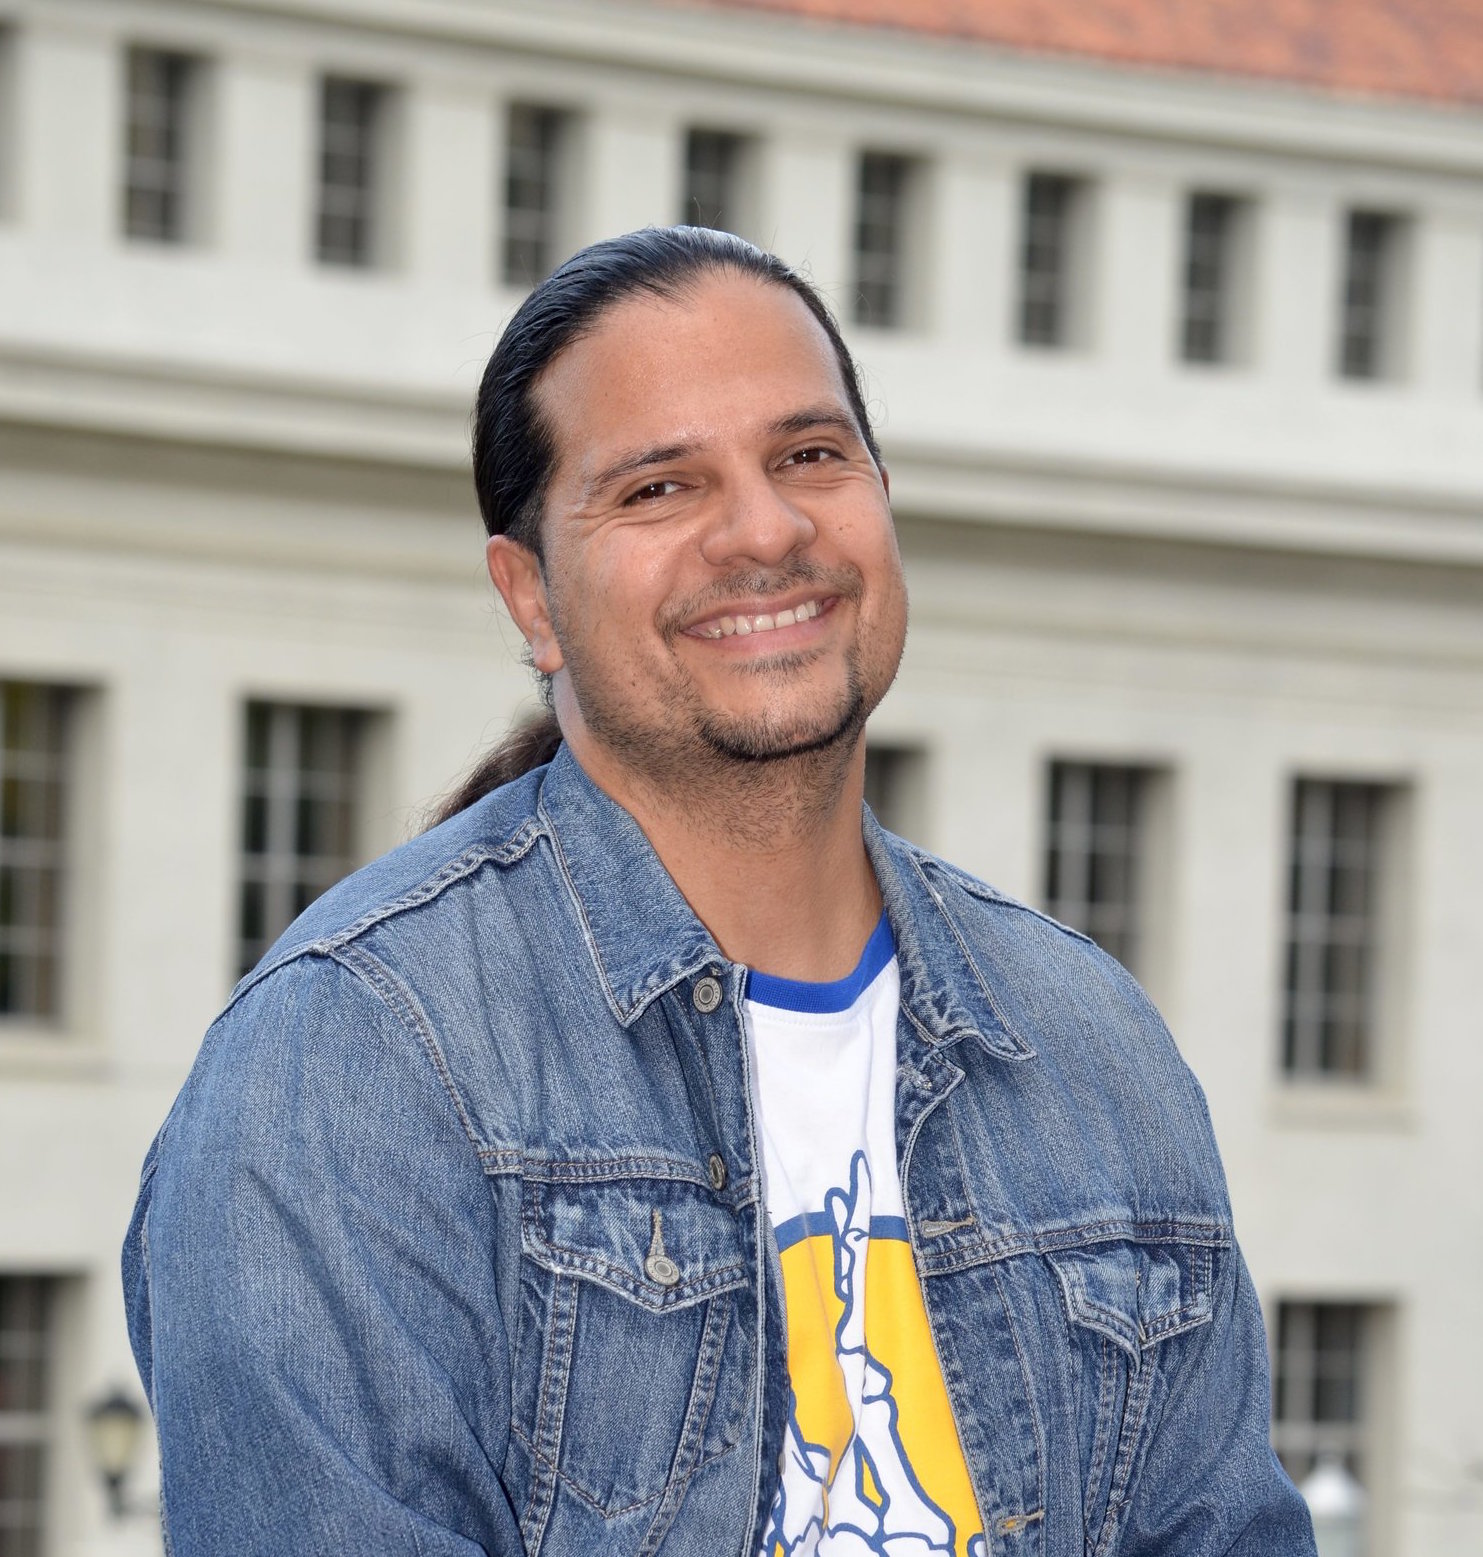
column 366, row 205
column 279, row 870
column 33, row 1426
column 542, row 230
column 1375, row 293
column 884, row 278
column 171, row 174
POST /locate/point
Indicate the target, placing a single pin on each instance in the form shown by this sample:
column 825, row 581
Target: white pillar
column 69, row 125
column 266, row 147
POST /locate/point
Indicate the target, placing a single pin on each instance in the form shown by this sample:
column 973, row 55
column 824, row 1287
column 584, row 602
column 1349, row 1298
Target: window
column 881, row 239
column 301, row 822
column 1332, row 924
column 715, row 169
column 25, row 1357
column 534, row 196
column 1319, row 1386
column 1094, row 867
column 33, row 794
column 1369, row 338
column 895, row 787
column 1211, row 278
column 157, row 145
column 352, row 171
column 1052, row 258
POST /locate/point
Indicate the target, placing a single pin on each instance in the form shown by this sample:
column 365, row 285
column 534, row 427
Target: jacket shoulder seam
column 403, row 1005
column 447, row 875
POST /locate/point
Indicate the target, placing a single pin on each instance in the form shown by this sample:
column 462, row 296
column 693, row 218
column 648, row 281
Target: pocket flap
column 1136, row 1294
column 662, row 1242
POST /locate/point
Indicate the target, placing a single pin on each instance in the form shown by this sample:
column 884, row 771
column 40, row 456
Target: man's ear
column 515, row 572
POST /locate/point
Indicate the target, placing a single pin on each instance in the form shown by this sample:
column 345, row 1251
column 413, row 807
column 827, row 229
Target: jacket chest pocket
column 632, row 1370
column 1125, row 1303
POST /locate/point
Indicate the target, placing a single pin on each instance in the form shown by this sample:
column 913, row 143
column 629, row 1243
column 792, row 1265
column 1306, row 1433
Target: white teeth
column 727, row 626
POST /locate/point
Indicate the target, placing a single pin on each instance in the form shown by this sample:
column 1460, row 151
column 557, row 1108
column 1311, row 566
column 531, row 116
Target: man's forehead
column 727, row 359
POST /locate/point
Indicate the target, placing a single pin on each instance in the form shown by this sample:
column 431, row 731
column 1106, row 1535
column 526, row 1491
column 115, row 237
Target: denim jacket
column 391, row 1283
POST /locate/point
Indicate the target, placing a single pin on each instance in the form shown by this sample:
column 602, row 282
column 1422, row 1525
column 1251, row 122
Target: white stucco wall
column 227, row 472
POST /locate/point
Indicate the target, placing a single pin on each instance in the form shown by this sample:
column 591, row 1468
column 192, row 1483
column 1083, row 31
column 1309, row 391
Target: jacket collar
column 644, row 937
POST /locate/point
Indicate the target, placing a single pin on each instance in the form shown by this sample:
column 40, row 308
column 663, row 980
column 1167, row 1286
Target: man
column 656, row 1156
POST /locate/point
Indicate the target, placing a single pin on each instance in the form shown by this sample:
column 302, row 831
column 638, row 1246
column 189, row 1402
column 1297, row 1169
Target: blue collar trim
column 765, row 989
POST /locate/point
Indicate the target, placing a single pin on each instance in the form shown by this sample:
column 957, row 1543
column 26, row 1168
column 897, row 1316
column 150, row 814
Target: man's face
column 721, row 576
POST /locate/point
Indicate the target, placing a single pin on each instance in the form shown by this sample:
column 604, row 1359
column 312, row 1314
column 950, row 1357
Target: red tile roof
column 1394, row 48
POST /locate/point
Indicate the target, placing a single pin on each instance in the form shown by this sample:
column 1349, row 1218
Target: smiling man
column 656, row 1156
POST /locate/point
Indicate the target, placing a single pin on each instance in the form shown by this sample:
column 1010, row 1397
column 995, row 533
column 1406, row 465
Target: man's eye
column 815, row 455
column 651, row 490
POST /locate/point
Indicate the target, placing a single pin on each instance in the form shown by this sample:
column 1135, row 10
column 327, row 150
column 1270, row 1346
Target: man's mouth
column 741, row 626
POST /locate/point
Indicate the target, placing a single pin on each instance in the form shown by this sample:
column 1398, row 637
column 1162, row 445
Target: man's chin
column 764, row 740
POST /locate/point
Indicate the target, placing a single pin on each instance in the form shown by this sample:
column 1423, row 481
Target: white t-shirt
column 872, row 1462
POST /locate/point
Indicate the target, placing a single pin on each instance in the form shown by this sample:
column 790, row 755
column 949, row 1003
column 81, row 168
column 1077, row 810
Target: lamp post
column 1337, row 1503
column 114, row 1427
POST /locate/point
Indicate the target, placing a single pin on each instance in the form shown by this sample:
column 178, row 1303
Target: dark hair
column 514, row 444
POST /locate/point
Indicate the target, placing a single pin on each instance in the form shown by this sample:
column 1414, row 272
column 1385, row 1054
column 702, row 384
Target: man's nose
column 755, row 521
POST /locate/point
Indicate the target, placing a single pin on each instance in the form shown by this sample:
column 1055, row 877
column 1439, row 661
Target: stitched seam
column 582, row 1495
column 445, row 876
column 1107, row 1363
column 546, row 1448
column 402, row 1004
column 1025, row 1379
column 951, row 923
column 692, row 1432
column 1135, row 1407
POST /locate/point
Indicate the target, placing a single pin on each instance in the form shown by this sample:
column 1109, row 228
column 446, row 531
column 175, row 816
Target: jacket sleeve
column 310, row 1282
column 1211, row 1485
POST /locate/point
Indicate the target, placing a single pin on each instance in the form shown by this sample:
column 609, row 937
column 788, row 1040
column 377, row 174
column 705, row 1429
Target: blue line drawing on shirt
column 840, row 1518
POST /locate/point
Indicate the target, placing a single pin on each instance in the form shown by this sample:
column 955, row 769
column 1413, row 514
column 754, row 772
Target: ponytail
column 530, row 744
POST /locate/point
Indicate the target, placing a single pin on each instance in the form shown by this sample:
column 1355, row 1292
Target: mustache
column 763, row 584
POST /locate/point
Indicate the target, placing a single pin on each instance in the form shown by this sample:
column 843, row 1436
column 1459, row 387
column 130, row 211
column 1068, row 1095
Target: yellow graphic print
column 894, row 1483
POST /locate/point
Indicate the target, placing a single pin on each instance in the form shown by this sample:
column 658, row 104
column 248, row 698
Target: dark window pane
column 298, row 815
column 1093, row 856
column 533, row 193
column 880, row 238
column 33, row 807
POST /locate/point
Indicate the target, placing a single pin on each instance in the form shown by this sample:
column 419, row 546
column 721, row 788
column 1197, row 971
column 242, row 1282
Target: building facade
column 1179, row 375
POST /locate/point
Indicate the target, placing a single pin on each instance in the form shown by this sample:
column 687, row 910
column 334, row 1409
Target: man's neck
column 771, row 858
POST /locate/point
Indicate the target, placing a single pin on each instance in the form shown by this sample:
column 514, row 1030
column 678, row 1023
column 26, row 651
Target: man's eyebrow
column 814, row 416
column 804, row 420
column 636, row 460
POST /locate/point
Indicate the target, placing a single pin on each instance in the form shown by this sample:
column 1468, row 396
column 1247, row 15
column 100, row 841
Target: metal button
column 706, row 995
column 662, row 1270
column 716, row 1168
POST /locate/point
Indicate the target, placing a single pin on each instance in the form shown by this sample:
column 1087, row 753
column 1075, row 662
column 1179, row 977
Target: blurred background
column 1172, row 316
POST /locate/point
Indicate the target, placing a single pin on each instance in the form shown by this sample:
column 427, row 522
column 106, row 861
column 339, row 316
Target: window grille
column 299, row 817
column 1208, row 277
column 1331, row 928
column 1094, row 862
column 349, row 171
column 533, row 192
column 156, row 145
column 713, row 168
column 1046, row 260
column 880, row 239
column 1319, row 1386
column 1368, row 262
column 33, row 807
column 25, row 1362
